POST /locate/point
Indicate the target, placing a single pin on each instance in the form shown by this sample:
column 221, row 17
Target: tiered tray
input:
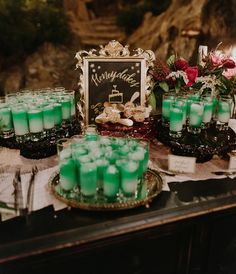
column 202, row 146
column 41, row 149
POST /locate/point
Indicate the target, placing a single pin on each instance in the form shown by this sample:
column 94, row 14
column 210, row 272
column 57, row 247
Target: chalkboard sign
column 111, row 74
column 112, row 80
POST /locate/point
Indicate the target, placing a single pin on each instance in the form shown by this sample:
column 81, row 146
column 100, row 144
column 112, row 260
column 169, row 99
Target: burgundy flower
column 192, row 73
column 228, row 63
column 159, row 71
column 181, row 64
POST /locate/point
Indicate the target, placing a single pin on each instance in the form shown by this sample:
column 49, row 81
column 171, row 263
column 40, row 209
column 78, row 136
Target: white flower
column 178, row 74
column 209, row 82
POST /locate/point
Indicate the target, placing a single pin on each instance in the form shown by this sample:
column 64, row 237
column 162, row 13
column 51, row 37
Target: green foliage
column 132, row 15
column 26, row 24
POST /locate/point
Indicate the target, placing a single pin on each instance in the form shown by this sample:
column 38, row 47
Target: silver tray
column 151, row 186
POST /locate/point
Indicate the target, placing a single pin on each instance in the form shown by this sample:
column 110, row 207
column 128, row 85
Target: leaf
column 164, row 86
column 152, row 101
column 170, row 61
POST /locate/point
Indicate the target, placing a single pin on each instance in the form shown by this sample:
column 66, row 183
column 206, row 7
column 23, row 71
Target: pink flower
column 192, row 73
column 216, row 59
column 229, row 73
column 181, row 64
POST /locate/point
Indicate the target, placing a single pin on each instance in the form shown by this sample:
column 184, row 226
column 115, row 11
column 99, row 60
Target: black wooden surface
column 191, row 229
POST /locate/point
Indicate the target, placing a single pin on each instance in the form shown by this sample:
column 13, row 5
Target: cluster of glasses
column 36, row 114
column 93, row 166
column 194, row 112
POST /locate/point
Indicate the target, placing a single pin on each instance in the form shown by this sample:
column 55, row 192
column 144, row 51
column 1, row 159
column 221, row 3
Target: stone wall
column 185, row 25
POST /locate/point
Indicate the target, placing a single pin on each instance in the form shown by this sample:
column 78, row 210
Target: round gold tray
column 150, row 188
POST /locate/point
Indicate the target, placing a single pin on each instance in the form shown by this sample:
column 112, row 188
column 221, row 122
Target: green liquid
column 66, row 109
column 35, row 121
column 57, row 114
column 68, row 174
column 111, row 183
column 129, row 178
column 48, row 117
column 88, row 179
column 176, row 120
column 166, row 109
column 20, row 121
column 6, row 118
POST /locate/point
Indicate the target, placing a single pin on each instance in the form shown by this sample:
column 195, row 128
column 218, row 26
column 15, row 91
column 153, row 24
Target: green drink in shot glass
column 71, row 93
column 143, row 147
column 111, row 183
column 195, row 117
column 88, row 179
column 102, row 165
column 66, row 109
column 168, row 99
column 57, row 110
column 181, row 101
column 20, row 122
column 224, row 112
column 35, row 117
column 68, row 168
column 208, row 111
column 130, row 178
column 6, row 120
column 176, row 120
column 90, row 132
column 48, row 118
column 68, row 174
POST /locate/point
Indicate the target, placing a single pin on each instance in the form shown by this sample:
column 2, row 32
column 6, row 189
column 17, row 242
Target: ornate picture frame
column 111, row 74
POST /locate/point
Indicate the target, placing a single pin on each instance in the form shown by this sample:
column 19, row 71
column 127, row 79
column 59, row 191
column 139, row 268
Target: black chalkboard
column 112, row 80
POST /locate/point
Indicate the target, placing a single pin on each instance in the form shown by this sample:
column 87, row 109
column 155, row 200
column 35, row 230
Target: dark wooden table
column 191, row 229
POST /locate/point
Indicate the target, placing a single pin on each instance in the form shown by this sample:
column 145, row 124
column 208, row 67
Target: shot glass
column 48, row 120
column 57, row 110
column 182, row 102
column 20, row 122
column 35, row 116
column 224, row 112
column 71, row 93
column 167, row 100
column 88, row 179
column 194, row 96
column 130, row 172
column 66, row 110
column 208, row 111
column 176, row 120
column 102, row 165
column 90, row 132
column 6, row 119
column 111, row 183
column 195, row 117
column 68, row 170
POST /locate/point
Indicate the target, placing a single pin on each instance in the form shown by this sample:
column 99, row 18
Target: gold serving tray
column 151, row 187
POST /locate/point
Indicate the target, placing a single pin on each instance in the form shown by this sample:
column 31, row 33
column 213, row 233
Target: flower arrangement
column 216, row 73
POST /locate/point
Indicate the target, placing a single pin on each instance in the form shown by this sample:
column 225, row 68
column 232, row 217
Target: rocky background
column 180, row 27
